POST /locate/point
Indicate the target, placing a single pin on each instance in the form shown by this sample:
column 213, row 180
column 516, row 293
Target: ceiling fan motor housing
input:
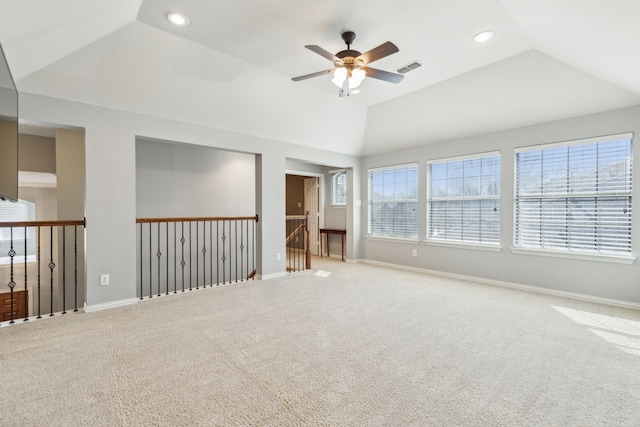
column 345, row 55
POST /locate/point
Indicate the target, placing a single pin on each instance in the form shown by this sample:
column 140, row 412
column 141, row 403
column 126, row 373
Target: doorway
column 304, row 194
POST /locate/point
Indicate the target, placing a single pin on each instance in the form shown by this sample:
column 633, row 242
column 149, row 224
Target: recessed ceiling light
column 483, row 36
column 177, row 19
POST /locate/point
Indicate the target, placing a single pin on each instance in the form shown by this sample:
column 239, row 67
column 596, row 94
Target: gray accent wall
column 183, row 180
column 600, row 279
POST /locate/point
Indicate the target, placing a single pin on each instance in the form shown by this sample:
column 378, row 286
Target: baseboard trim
column 571, row 295
column 271, row 276
column 111, row 304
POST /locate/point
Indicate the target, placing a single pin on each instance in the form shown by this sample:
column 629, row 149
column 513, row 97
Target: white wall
column 600, row 279
column 111, row 199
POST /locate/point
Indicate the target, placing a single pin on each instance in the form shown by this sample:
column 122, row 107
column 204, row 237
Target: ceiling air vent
column 409, row 67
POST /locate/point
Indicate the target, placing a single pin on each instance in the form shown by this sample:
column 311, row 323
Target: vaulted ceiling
column 231, row 68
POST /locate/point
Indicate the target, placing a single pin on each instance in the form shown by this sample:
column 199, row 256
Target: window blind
column 575, row 196
column 463, row 199
column 11, row 212
column 339, row 189
column 393, row 201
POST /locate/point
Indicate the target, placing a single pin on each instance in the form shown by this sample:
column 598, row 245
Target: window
column 20, row 211
column 463, row 199
column 575, row 196
column 393, row 201
column 339, row 188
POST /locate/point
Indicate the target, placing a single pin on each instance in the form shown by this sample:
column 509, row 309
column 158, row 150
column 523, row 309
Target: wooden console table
column 327, row 231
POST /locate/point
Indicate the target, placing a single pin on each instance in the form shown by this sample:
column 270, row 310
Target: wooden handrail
column 296, row 217
column 15, row 224
column 194, row 219
column 294, row 232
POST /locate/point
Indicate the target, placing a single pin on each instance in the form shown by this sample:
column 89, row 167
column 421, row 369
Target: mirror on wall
column 8, row 133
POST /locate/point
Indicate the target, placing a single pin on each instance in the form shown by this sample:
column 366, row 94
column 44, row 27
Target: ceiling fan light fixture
column 339, row 75
column 355, row 79
column 357, row 76
column 483, row 36
column 177, row 19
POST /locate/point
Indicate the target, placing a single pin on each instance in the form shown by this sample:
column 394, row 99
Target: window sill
column 463, row 245
column 619, row 259
column 339, row 206
column 393, row 239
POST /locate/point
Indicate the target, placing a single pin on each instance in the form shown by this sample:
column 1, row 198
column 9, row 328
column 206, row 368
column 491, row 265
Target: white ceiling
column 231, row 68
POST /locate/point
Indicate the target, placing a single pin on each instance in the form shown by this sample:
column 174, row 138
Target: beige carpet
column 362, row 346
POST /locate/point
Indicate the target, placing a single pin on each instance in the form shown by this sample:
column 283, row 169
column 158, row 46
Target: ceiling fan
column 351, row 66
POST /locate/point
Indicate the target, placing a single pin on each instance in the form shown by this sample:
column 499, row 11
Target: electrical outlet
column 104, row 279
column 278, row 256
column 414, row 252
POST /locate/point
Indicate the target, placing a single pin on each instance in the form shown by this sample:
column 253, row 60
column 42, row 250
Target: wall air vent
column 409, row 67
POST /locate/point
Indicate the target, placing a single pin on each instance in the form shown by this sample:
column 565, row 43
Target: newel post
column 308, row 240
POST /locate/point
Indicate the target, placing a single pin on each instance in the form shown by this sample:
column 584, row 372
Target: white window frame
column 473, row 219
column 338, row 189
column 600, row 195
column 22, row 210
column 408, row 231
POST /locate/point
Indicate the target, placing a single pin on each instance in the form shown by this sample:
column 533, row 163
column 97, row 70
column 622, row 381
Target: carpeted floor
column 361, row 346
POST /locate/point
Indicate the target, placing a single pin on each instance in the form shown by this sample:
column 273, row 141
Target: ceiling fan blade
column 385, row 49
column 320, row 51
column 383, row 75
column 308, row 76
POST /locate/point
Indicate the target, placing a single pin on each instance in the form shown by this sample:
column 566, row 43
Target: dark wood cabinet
column 19, row 311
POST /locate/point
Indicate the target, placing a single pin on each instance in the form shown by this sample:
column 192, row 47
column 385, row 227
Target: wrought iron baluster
column 12, row 284
column 182, row 263
column 39, row 282
column 150, row 263
column 26, row 300
column 52, row 265
column 235, row 223
column 75, row 267
column 64, row 270
column 141, row 256
column 167, row 242
column 175, row 258
column 190, row 250
column 286, row 248
column 224, row 257
column 197, row 259
column 159, row 255
column 211, row 252
column 242, row 250
column 204, row 253
column 217, row 253
column 230, row 253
